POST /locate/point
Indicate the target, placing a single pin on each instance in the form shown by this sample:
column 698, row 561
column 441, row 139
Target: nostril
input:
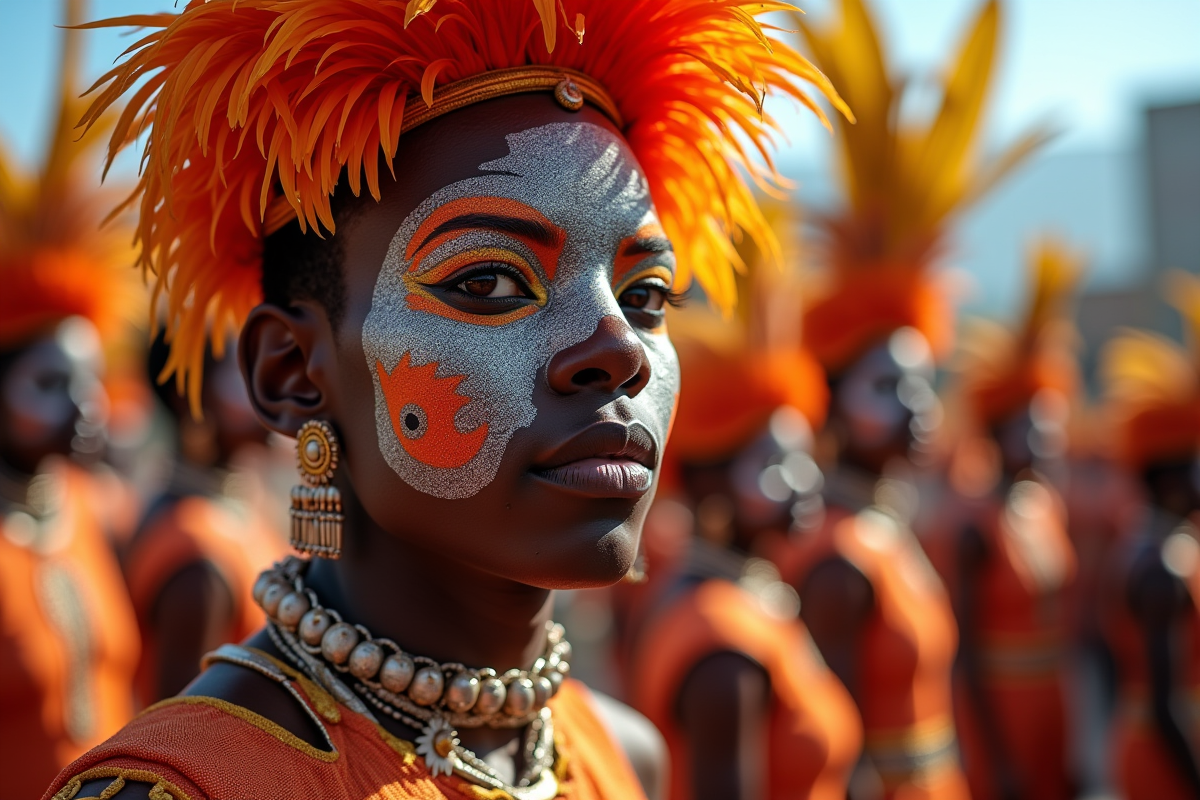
column 590, row 377
column 633, row 382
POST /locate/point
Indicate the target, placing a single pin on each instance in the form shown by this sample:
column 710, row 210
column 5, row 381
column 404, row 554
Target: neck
column 428, row 602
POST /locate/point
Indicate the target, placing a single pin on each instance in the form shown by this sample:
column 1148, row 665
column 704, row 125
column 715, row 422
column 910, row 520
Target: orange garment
column 68, row 640
column 1021, row 628
column 907, row 651
column 1143, row 767
column 815, row 734
column 187, row 531
column 201, row 748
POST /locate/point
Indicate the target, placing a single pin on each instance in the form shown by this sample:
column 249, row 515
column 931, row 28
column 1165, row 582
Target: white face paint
column 451, row 387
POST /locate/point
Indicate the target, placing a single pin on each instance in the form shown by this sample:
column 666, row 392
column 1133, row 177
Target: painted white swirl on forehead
column 582, row 178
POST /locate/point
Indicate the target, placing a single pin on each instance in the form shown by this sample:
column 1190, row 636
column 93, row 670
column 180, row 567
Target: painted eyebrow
column 646, row 245
column 530, row 229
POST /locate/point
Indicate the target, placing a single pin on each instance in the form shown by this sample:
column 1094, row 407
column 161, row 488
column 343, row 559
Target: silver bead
column 292, row 609
column 260, row 585
column 542, row 691
column 397, row 673
column 338, row 641
column 563, row 649
column 312, row 450
column 313, row 626
column 564, row 668
column 365, row 660
column 462, row 692
column 520, row 698
column 492, row 693
column 556, row 679
column 427, row 685
column 272, row 596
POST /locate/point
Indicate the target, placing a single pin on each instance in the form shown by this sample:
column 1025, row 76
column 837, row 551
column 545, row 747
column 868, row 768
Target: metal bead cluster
column 316, row 505
column 415, row 684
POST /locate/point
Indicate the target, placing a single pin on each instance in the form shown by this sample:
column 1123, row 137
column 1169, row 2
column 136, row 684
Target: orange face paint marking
column 629, row 255
column 422, row 407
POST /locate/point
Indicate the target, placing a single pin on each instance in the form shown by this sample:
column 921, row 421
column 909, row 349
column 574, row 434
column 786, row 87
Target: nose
column 611, row 359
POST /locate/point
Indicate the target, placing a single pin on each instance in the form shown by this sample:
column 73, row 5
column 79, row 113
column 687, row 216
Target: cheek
column 661, row 394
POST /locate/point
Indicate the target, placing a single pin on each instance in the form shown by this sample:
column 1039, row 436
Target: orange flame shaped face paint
column 423, row 407
column 564, row 216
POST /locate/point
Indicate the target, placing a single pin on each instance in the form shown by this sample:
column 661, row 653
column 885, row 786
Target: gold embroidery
column 258, row 721
column 480, row 793
column 161, row 788
column 324, row 703
column 402, row 747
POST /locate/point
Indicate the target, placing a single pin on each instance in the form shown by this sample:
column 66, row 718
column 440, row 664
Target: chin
column 591, row 556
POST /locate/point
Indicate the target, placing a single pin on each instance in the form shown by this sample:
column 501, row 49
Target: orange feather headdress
column 243, row 96
column 55, row 259
column 736, row 370
column 1003, row 369
column 903, row 184
column 1152, row 385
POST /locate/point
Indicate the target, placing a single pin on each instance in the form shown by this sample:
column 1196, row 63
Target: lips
column 607, row 459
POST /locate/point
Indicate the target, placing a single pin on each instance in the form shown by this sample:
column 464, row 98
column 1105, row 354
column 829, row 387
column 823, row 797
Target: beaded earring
column 317, row 504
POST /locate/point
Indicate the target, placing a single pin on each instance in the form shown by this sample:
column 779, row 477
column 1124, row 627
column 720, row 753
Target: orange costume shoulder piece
column 815, row 734
column 68, row 640
column 202, row 748
column 1021, row 624
column 907, row 651
column 1143, row 768
column 187, row 531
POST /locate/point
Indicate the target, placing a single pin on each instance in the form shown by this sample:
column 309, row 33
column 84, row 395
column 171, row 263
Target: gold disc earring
column 317, row 504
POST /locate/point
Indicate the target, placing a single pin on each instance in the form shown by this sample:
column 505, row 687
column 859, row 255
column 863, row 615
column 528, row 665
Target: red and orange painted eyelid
column 625, row 261
column 424, row 242
column 479, row 255
column 651, row 271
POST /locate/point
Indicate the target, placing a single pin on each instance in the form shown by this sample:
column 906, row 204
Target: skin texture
column 724, row 702
column 49, row 393
column 427, row 571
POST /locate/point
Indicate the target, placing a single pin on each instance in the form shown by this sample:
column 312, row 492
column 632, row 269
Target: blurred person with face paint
column 1152, row 387
column 68, row 641
column 721, row 663
column 869, row 596
column 1003, row 549
column 471, row 352
column 203, row 541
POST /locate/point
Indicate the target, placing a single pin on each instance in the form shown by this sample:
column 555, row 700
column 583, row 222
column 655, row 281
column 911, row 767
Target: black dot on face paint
column 411, row 422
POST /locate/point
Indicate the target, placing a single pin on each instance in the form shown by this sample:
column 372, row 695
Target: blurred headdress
column 903, row 184
column 56, row 261
column 254, row 108
column 1152, row 385
column 737, row 369
column 1003, row 369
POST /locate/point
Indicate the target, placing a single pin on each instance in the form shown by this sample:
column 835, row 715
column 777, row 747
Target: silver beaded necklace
column 433, row 697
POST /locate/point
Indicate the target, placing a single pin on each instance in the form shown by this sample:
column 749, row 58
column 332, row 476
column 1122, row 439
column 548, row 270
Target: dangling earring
column 317, row 505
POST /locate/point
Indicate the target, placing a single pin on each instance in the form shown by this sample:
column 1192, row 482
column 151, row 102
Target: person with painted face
column 1005, row 554
column 203, row 541
column 1152, row 386
column 68, row 641
column 871, row 600
column 720, row 662
column 467, row 339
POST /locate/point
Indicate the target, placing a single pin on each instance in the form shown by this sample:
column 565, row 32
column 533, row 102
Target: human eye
column 493, row 281
column 644, row 299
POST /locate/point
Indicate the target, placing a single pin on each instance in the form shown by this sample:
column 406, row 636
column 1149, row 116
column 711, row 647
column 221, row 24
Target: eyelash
column 490, row 268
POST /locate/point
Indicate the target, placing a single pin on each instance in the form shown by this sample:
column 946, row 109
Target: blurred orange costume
column 1019, row 614
column 1153, row 390
column 189, row 530
column 730, row 387
column 253, row 110
column 171, row 746
column 68, row 640
column 903, row 184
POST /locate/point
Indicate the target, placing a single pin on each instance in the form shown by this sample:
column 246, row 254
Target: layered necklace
column 436, row 698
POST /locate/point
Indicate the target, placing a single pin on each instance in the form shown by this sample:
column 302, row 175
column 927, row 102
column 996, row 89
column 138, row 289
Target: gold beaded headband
column 570, row 87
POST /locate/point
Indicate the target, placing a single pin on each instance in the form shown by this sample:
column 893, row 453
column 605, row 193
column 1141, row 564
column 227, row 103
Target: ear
column 283, row 354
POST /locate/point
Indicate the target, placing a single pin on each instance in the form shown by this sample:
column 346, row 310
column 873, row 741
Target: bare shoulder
column 639, row 739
